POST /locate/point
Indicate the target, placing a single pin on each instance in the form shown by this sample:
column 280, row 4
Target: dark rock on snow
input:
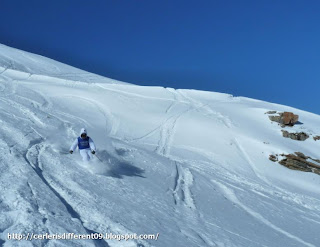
column 316, row 138
column 271, row 112
column 301, row 136
column 298, row 161
column 273, row 158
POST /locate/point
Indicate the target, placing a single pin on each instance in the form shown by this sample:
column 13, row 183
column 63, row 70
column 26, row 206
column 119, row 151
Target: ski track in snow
column 230, row 195
column 182, row 187
column 167, row 131
column 111, row 122
column 267, row 190
column 24, row 110
column 37, row 146
column 249, row 161
column 205, row 109
column 168, row 127
column 292, row 197
column 174, row 100
column 227, row 179
column 32, row 157
column 185, row 205
column 8, row 87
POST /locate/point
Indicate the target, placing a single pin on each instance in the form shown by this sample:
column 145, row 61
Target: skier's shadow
column 118, row 168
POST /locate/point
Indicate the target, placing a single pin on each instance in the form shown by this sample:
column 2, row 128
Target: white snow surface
column 190, row 165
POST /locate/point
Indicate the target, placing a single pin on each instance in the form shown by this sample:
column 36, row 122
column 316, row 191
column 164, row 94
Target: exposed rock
column 316, row 138
column 273, row 158
column 301, row 155
column 300, row 136
column 299, row 161
column 275, row 118
column 285, row 118
column 316, row 160
column 289, row 118
column 271, row 112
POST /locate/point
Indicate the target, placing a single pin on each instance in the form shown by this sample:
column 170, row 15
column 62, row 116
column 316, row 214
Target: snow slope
column 190, row 165
column 16, row 60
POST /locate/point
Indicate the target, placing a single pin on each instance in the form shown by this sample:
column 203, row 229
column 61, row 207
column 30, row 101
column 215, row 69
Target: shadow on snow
column 118, row 168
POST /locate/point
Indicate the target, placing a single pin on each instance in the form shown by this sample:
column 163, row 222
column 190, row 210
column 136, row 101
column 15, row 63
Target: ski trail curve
column 249, row 161
column 205, row 110
column 231, row 196
column 111, row 123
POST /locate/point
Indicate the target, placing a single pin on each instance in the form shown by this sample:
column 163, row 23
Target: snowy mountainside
column 190, row 165
column 15, row 60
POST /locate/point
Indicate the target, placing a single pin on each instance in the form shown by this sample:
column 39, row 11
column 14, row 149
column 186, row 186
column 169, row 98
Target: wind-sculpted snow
column 190, row 165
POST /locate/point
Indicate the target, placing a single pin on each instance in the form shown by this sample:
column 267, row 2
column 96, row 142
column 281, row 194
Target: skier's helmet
column 83, row 133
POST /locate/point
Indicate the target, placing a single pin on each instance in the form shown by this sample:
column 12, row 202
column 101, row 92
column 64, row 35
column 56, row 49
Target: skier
column 85, row 145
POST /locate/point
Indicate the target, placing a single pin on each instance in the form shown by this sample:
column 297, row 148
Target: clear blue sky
column 264, row 49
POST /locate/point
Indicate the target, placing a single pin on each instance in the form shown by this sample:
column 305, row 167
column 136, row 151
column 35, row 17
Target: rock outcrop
column 300, row 136
column 316, row 138
column 271, row 112
column 273, row 158
column 284, row 118
column 298, row 161
column 288, row 118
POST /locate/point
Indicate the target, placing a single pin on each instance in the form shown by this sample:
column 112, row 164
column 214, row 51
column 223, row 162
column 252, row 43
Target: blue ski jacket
column 86, row 143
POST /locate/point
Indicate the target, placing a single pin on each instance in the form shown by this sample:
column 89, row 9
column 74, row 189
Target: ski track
column 32, row 156
column 36, row 164
column 268, row 190
column 167, row 131
column 182, row 187
column 231, row 196
column 185, row 206
column 167, row 128
column 21, row 140
column 235, row 234
column 33, row 153
column 67, row 81
column 37, row 209
column 289, row 196
column 4, row 70
column 159, row 129
column 129, row 94
column 174, row 101
column 7, row 85
column 47, row 104
column 110, row 127
column 25, row 111
column 205, row 109
column 166, row 136
column 249, row 161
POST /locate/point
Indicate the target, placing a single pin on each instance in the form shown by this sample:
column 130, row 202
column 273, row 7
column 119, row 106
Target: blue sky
column 263, row 49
